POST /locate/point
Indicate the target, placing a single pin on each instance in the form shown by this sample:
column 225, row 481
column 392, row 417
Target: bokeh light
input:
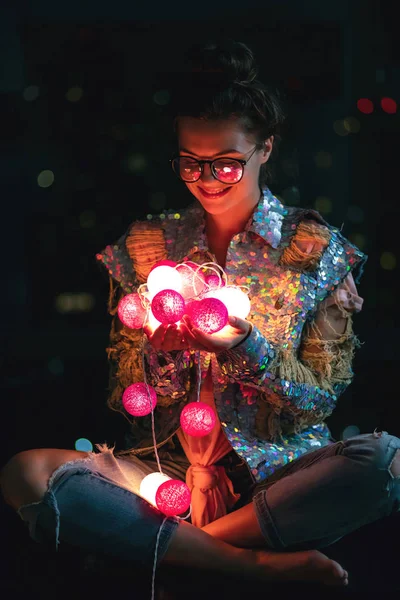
column 30, row 93
column 339, row 128
column 83, row 445
column 365, row 105
column 388, row 261
column 45, row 178
column 323, row 204
column 161, row 97
column 358, row 239
column 136, row 163
column 74, row 94
column 323, row 159
column 389, row 105
column 74, row 302
column 55, row 366
column 351, row 124
column 87, row 219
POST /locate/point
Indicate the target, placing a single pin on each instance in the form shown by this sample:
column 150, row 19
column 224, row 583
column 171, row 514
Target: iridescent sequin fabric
column 282, row 300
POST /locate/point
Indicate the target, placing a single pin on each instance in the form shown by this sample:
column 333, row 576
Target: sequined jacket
column 271, row 402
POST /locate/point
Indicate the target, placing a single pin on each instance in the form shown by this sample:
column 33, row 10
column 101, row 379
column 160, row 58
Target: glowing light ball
column 137, row 401
column 189, row 307
column 163, row 278
column 173, row 497
column 168, row 306
column 131, row 312
column 214, row 282
column 152, row 321
column 163, row 263
column 209, row 315
column 150, row 484
column 235, row 300
column 193, row 281
column 197, row 419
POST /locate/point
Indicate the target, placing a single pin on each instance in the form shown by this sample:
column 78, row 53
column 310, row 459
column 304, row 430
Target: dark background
column 84, row 94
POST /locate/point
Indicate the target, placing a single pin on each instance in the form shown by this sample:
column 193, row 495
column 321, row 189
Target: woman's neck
column 222, row 228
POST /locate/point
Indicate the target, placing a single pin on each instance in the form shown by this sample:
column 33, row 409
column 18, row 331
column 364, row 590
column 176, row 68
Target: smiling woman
column 268, row 477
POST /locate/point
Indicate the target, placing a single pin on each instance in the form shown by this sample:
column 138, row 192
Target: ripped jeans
column 310, row 503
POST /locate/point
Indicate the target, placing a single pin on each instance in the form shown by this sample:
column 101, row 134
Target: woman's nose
column 207, row 173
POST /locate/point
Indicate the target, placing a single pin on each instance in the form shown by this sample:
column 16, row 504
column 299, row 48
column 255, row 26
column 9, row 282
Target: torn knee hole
column 394, row 468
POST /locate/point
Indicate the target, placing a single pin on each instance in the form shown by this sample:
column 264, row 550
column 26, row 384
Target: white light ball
column 149, row 486
column 236, row 301
column 163, row 278
column 152, row 322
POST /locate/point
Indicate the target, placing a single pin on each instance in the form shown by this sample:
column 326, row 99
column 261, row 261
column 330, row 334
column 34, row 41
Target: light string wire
column 150, row 402
column 147, row 305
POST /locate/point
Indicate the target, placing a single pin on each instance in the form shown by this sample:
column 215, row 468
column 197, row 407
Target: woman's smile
column 214, row 194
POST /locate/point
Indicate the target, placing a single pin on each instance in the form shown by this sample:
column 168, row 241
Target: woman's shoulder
column 130, row 258
column 312, row 244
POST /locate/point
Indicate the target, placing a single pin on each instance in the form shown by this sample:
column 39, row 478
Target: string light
column 236, row 301
column 163, row 277
column 168, row 306
column 209, row 315
column 139, row 399
column 173, row 497
column 197, row 419
column 131, row 311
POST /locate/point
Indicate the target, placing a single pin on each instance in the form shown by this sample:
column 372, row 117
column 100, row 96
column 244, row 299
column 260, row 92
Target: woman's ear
column 268, row 145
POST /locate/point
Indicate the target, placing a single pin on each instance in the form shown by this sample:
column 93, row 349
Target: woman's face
column 225, row 138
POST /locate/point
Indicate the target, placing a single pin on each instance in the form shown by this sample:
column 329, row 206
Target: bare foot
column 310, row 566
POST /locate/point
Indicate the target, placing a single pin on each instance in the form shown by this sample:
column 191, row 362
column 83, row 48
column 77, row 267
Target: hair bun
column 234, row 61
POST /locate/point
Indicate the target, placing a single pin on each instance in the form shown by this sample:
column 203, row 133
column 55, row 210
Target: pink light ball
column 168, row 306
column 193, row 280
column 214, row 282
column 137, row 401
column 163, row 277
column 173, row 497
column 209, row 315
column 131, row 312
column 236, row 301
column 197, row 419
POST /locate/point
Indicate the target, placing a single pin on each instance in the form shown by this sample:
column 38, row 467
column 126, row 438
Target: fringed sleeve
column 129, row 262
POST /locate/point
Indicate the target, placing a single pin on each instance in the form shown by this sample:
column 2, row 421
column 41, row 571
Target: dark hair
column 219, row 82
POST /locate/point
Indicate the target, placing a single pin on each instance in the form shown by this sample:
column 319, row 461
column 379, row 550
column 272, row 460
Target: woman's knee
column 379, row 450
column 25, row 477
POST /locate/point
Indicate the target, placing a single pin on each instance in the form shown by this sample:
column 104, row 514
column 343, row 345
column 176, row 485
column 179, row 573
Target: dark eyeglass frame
column 201, row 164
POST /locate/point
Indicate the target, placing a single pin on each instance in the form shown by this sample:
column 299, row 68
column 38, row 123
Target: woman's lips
column 214, row 194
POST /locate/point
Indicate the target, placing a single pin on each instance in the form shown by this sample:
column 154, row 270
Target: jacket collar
column 266, row 222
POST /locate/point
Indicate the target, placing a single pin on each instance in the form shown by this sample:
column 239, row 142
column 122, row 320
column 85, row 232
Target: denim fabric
column 86, row 508
column 326, row 494
column 310, row 503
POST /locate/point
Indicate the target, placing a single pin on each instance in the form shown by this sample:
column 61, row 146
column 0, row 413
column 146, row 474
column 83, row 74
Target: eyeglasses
column 226, row 170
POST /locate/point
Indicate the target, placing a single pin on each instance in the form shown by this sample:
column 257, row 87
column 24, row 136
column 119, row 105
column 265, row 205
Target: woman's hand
column 225, row 339
column 167, row 338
